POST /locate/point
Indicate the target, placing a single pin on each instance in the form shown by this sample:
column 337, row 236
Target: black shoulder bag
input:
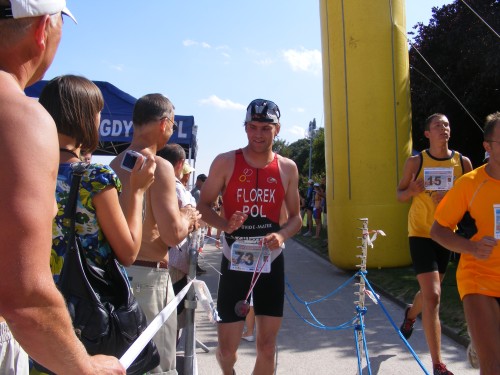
column 106, row 316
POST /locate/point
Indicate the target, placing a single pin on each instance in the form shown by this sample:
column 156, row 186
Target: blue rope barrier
column 356, row 323
column 335, row 291
column 319, row 325
column 410, row 349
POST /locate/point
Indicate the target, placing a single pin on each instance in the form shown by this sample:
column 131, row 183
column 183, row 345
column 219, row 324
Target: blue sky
column 211, row 58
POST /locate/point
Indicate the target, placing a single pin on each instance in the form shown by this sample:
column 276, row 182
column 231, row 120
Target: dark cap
column 202, row 177
column 262, row 110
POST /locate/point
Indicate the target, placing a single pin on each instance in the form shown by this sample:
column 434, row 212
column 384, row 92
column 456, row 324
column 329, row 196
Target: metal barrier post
column 190, row 305
column 360, row 303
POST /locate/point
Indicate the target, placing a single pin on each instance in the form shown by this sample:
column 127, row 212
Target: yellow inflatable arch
column 367, row 126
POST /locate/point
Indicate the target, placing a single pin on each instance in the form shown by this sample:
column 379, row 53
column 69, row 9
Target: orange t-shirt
column 477, row 193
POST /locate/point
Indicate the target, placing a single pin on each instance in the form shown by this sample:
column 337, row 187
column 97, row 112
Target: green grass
column 401, row 284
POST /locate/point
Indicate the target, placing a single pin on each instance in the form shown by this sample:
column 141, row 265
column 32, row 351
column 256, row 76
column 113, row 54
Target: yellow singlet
column 421, row 214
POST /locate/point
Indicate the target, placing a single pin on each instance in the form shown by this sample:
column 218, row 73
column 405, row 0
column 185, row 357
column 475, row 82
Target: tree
column 280, row 146
column 318, row 153
column 464, row 52
column 299, row 153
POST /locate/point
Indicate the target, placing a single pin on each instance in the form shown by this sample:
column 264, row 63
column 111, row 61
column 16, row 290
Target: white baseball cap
column 34, row 8
column 187, row 168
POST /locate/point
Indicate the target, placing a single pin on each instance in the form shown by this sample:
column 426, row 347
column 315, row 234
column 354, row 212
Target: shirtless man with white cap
column 34, row 312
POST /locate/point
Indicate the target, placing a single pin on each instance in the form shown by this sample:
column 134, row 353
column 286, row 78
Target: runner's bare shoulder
column 223, row 162
column 413, row 163
column 286, row 165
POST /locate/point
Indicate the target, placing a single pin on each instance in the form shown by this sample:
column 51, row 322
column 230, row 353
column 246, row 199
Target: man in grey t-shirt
column 195, row 192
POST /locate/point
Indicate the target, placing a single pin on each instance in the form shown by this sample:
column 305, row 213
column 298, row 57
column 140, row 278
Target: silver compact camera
column 129, row 160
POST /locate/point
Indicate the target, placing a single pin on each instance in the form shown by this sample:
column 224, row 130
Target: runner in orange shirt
column 478, row 275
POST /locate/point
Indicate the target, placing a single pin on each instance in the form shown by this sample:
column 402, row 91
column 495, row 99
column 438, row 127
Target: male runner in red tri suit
column 256, row 184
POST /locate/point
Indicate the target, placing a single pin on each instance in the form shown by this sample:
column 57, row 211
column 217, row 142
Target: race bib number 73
column 247, row 256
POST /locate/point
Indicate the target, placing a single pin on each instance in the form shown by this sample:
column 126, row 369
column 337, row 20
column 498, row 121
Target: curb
column 448, row 331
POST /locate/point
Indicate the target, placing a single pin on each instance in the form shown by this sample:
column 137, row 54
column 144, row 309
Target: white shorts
column 13, row 359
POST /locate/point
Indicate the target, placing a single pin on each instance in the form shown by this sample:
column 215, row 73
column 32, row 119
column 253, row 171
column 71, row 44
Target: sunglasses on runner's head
column 262, row 110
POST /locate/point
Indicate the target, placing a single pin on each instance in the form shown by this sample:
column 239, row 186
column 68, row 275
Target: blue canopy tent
column 115, row 131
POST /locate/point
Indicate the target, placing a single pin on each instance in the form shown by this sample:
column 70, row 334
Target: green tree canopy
column 280, row 146
column 463, row 51
column 318, row 153
column 299, row 152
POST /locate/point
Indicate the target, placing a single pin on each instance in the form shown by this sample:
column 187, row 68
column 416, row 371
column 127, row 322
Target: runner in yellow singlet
column 426, row 179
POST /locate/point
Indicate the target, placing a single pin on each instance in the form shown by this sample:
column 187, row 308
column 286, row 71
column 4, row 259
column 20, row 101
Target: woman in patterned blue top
column 75, row 104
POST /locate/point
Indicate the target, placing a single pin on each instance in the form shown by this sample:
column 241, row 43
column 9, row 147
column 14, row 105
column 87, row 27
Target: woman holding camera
column 75, row 104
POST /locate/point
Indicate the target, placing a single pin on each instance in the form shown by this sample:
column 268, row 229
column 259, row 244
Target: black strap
column 462, row 163
column 420, row 164
column 70, row 209
column 6, row 12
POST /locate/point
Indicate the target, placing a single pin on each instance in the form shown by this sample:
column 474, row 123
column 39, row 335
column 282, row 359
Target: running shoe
column 440, row 369
column 472, row 356
column 307, row 234
column 406, row 328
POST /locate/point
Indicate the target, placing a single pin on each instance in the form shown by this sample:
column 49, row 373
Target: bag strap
column 79, row 169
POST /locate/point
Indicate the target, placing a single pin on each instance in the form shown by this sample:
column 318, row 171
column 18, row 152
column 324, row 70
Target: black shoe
column 406, row 328
column 200, row 270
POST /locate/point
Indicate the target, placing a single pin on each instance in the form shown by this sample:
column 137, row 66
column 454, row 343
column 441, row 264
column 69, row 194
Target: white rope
column 451, row 92
column 482, row 20
column 139, row 344
column 204, row 297
column 442, row 81
column 432, row 82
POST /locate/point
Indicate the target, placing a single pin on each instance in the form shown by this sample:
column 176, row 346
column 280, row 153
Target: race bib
column 438, row 178
column 496, row 211
column 245, row 256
